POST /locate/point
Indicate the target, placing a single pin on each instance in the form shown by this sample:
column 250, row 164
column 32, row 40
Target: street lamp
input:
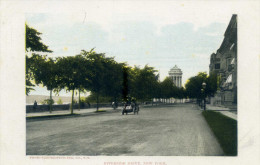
column 204, row 93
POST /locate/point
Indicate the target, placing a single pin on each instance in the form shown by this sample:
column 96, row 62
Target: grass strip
column 225, row 129
column 100, row 110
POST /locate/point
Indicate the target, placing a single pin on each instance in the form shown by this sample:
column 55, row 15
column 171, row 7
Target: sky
column 161, row 37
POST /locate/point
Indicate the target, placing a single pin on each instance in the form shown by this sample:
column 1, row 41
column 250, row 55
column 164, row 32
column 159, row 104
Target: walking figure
column 35, row 105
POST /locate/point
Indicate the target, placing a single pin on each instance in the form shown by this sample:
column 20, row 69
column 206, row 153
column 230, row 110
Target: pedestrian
column 35, row 105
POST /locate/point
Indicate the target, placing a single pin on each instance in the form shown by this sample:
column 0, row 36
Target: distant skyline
column 138, row 37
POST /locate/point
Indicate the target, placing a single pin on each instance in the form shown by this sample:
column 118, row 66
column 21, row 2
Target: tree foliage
column 167, row 88
column 46, row 73
column 74, row 74
column 143, row 81
column 33, row 44
column 98, row 64
column 103, row 76
column 194, row 85
column 29, row 75
column 33, row 41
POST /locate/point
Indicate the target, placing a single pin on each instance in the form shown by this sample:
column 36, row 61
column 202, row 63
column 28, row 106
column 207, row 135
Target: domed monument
column 176, row 75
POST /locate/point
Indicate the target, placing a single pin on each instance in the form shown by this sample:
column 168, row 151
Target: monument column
column 177, row 84
column 180, row 81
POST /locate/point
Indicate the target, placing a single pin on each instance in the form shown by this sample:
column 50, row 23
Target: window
column 228, row 61
column 217, row 66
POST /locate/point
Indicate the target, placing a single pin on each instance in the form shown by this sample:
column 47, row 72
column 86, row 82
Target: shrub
column 75, row 101
column 47, row 102
column 59, row 101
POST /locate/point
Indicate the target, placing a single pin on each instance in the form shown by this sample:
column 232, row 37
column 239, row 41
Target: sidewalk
column 67, row 112
column 77, row 112
column 224, row 110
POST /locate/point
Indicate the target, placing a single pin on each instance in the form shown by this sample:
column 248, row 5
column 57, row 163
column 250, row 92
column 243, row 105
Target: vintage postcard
column 129, row 82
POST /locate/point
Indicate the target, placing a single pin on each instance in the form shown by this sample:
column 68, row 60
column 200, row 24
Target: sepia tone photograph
column 129, row 82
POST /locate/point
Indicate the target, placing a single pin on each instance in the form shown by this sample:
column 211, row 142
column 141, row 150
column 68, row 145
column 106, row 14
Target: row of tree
column 91, row 71
column 103, row 76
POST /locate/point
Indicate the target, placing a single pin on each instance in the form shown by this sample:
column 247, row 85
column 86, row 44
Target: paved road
column 159, row 131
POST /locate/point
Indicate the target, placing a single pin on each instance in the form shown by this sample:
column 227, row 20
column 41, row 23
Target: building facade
column 176, row 75
column 223, row 63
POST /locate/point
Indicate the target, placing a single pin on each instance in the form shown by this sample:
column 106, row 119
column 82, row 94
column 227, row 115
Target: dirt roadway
column 159, row 131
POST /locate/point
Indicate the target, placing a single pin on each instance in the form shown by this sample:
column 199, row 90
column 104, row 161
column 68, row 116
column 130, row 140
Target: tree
column 46, row 73
column 33, row 44
column 194, row 85
column 33, row 41
column 97, row 62
column 157, row 91
column 179, row 93
column 212, row 82
column 114, row 79
column 143, row 82
column 29, row 75
column 82, row 75
column 167, row 88
column 73, row 74
column 125, row 83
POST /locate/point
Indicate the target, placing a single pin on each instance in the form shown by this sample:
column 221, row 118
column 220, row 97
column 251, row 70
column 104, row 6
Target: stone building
column 176, row 75
column 224, row 64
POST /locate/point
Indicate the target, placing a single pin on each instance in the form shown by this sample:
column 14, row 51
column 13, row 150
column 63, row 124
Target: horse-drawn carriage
column 128, row 108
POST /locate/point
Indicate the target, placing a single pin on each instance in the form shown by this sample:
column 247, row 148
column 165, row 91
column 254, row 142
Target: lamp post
column 204, row 93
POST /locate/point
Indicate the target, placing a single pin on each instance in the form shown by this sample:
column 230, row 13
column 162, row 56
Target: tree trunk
column 115, row 102
column 72, row 102
column 115, row 99
column 97, row 101
column 79, row 100
column 50, row 101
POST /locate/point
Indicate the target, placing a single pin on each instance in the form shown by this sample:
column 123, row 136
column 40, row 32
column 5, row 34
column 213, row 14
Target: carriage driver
column 133, row 103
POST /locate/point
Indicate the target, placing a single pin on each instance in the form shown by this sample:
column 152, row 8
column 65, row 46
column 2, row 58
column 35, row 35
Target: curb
column 220, row 110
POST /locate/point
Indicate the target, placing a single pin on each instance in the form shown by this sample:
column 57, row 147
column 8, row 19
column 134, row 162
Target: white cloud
column 106, row 13
column 154, row 33
column 213, row 34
